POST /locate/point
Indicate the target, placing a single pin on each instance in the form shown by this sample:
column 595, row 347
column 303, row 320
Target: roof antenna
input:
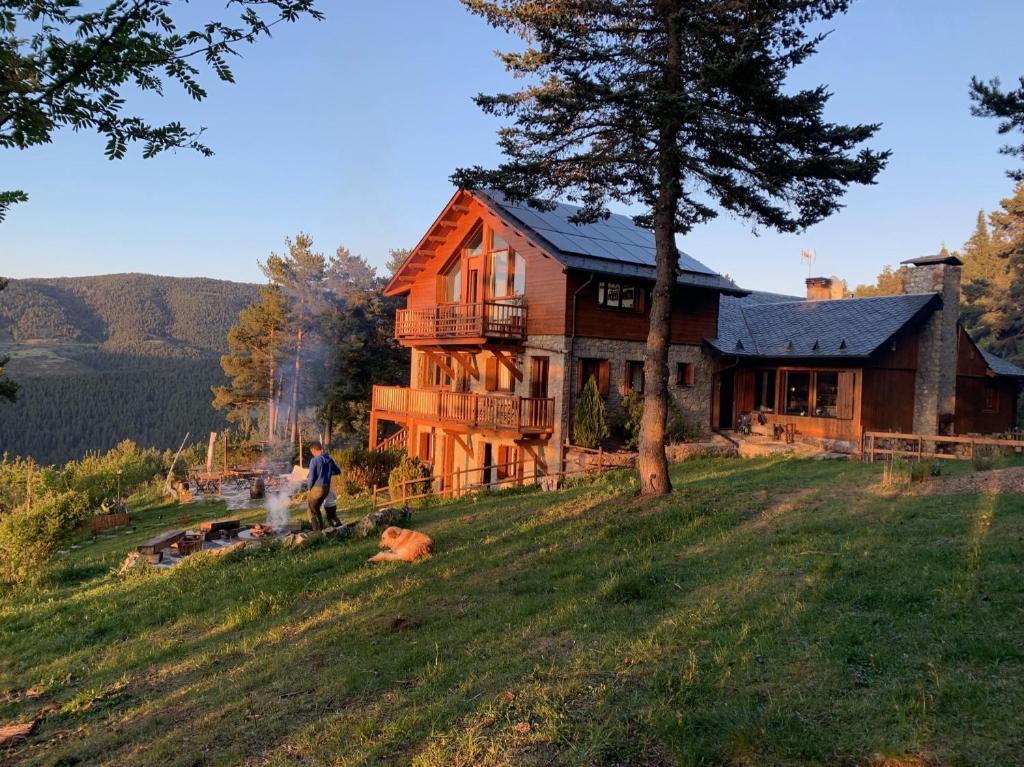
column 809, row 256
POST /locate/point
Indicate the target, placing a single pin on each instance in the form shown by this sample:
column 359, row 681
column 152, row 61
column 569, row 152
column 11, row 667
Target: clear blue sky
column 349, row 129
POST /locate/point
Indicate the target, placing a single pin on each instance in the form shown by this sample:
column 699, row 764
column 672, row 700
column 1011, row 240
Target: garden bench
column 152, row 549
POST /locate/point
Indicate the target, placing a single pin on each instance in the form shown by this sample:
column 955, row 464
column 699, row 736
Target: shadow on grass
column 586, row 627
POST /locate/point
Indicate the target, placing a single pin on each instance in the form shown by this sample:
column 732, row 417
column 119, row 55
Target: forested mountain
column 101, row 359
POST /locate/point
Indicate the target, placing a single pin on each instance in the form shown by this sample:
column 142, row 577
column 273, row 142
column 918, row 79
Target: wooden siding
column 545, row 280
column 694, row 312
column 887, row 402
column 972, row 379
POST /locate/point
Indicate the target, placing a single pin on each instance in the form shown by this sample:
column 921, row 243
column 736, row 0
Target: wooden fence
column 466, row 481
column 884, row 444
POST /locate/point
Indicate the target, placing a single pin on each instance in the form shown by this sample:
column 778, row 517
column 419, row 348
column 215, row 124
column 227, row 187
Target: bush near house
column 409, row 469
column 678, row 428
column 590, row 424
column 363, row 469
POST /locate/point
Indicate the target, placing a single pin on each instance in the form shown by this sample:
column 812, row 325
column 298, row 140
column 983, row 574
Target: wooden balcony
column 486, row 412
column 453, row 324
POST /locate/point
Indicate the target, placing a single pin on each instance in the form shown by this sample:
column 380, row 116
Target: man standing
column 321, row 468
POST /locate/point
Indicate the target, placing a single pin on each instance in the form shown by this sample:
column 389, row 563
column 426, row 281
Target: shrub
column 919, row 472
column 590, row 424
column 410, row 468
column 680, row 428
column 96, row 474
column 30, row 536
column 627, row 426
column 361, row 468
column 984, row 459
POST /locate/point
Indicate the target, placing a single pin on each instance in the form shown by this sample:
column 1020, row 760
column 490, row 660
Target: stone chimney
column 824, row 288
column 935, row 399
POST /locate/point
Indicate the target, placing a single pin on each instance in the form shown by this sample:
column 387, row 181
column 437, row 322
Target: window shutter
column 602, row 377
column 844, row 400
column 491, row 374
column 688, row 374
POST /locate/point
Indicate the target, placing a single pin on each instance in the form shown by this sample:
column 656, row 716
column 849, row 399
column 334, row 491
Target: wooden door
column 538, row 376
column 744, row 391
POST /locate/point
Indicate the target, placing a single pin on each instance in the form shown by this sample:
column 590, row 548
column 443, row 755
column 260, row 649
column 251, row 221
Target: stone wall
column 935, row 382
column 694, row 401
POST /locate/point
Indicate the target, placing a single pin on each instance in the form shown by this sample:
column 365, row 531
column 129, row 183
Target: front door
column 725, row 399
column 487, row 469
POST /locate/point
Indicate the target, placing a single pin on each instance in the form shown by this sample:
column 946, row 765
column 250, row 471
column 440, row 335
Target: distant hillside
column 117, row 356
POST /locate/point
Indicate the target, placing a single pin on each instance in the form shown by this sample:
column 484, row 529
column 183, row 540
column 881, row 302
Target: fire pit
column 219, row 528
column 262, row 531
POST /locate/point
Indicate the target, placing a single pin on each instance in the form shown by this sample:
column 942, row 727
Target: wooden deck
column 503, row 320
column 515, row 415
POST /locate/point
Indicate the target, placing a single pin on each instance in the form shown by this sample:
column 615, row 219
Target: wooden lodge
column 510, row 310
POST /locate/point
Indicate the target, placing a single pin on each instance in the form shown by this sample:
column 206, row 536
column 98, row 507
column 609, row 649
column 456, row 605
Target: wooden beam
column 468, row 363
column 460, row 208
column 447, row 224
column 510, row 363
column 439, row 361
column 436, row 238
column 461, row 442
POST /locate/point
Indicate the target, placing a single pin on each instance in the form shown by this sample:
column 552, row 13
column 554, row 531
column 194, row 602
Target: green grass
column 770, row 612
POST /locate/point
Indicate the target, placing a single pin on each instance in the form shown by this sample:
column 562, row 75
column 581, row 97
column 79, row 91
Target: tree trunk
column 272, row 396
column 295, row 391
column 652, row 462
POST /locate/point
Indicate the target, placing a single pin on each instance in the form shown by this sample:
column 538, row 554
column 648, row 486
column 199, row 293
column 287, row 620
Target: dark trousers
column 332, row 516
column 314, row 500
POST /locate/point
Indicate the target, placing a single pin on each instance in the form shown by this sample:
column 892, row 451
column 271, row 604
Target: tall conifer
column 681, row 106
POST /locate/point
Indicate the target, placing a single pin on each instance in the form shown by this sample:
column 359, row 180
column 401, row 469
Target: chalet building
column 510, row 310
column 837, row 367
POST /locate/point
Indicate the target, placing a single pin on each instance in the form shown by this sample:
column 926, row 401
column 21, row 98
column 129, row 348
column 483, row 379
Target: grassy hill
column 109, row 357
column 770, row 612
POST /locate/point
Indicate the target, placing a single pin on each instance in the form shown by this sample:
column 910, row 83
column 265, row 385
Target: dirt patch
column 983, row 482
column 402, row 623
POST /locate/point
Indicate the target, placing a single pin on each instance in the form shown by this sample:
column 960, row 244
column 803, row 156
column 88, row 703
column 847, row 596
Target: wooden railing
column 503, row 413
column 502, row 318
column 396, row 441
column 883, row 443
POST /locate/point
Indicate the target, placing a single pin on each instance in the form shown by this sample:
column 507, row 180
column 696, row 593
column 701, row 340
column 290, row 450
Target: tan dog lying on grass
column 405, row 545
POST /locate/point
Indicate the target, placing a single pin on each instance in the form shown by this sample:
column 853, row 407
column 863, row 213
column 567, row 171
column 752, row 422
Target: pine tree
column 683, row 107
column 990, row 100
column 590, row 421
column 888, row 283
column 1007, row 337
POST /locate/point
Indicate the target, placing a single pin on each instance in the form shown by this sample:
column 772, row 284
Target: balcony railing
column 504, row 319
column 524, row 415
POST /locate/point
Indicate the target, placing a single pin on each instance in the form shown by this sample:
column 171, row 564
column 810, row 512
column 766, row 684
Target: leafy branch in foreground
column 63, row 64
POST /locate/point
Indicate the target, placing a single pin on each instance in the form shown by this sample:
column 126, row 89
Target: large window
column 826, row 394
column 620, row 295
column 798, row 393
column 817, row 393
column 764, row 391
column 451, row 283
column 507, row 269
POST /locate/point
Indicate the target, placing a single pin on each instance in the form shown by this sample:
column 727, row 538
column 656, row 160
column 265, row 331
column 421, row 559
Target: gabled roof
column 615, row 245
column 761, row 325
column 1001, row 367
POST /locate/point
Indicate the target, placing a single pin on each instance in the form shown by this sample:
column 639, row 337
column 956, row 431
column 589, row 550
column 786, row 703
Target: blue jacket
column 321, row 469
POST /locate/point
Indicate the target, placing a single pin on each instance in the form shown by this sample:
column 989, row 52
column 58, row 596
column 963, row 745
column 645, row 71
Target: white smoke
column 279, row 501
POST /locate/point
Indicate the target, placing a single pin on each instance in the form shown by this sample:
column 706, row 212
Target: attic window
column 815, row 347
column 789, row 346
column 739, row 346
column 842, row 345
column 620, row 295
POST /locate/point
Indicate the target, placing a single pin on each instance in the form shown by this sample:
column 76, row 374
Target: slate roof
column 762, row 325
column 1001, row 367
column 613, row 246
